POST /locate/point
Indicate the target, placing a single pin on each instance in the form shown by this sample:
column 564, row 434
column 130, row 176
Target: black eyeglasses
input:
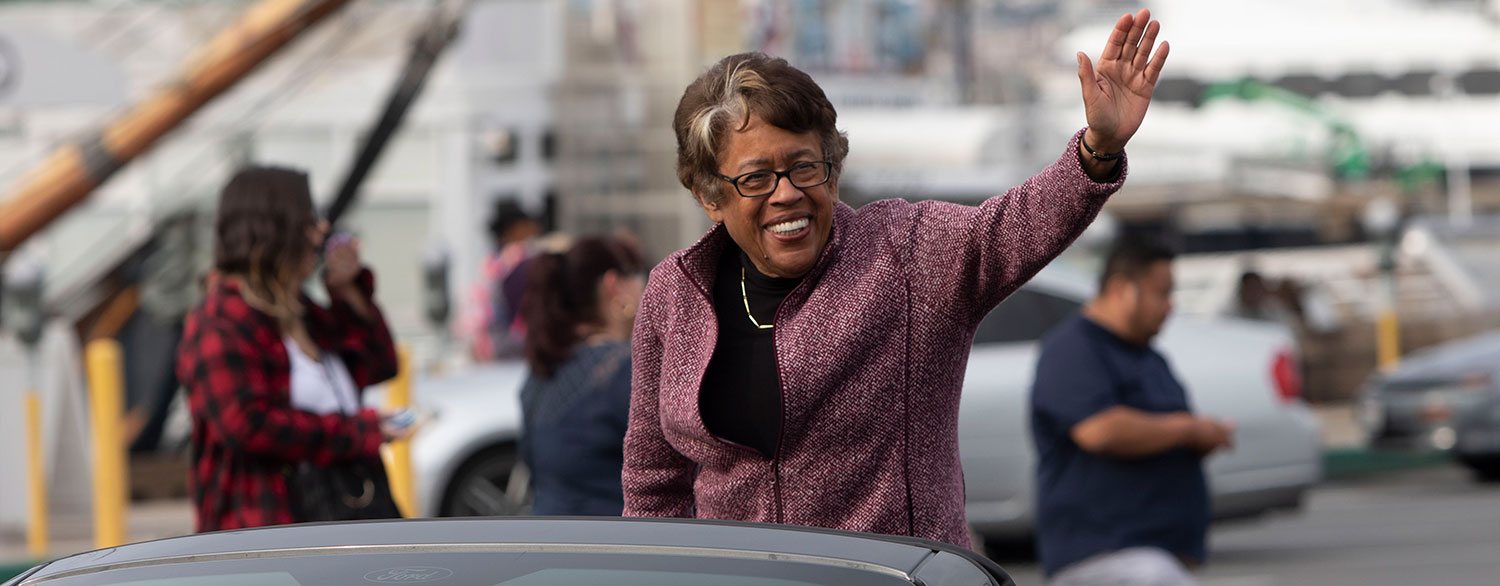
column 763, row 183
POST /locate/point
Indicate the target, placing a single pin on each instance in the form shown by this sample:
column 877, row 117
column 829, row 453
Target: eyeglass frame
column 785, row 173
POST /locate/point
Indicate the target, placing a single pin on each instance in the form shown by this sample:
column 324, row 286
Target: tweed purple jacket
column 870, row 349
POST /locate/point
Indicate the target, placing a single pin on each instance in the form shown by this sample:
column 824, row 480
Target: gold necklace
column 746, row 296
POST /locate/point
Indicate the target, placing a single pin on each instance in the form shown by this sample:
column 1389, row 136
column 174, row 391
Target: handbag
column 346, row 491
column 342, row 492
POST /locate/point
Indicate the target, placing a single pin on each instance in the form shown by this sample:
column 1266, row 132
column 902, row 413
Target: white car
column 1235, row 369
column 465, row 460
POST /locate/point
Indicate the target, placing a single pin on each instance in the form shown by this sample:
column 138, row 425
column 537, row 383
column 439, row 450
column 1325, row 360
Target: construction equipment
column 441, row 29
column 75, row 170
column 1346, row 156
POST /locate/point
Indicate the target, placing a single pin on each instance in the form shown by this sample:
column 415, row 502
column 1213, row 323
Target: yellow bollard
column 1387, row 321
column 1388, row 339
column 398, row 396
column 103, row 359
column 36, row 528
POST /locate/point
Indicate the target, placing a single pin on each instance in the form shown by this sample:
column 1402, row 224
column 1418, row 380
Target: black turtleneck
column 741, row 398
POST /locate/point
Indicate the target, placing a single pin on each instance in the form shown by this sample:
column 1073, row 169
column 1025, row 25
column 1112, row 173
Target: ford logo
column 413, row 575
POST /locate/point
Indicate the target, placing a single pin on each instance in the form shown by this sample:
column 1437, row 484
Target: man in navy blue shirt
column 1122, row 498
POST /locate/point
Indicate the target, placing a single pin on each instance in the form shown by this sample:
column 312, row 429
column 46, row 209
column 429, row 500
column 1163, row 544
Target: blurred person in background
column 580, row 305
column 497, row 326
column 1121, row 494
column 802, row 362
column 1299, row 306
column 1256, row 300
column 274, row 380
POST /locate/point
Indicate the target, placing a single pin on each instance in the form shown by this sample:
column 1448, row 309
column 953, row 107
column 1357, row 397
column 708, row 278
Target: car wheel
column 493, row 482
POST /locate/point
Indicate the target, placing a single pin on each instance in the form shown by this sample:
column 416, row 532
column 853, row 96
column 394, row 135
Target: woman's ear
column 1133, row 293
column 713, row 210
column 609, row 284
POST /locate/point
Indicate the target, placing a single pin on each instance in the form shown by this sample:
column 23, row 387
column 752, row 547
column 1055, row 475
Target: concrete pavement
column 72, row 534
column 1341, row 427
column 1433, row 525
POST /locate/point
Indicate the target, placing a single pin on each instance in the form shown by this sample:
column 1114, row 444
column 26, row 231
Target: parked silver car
column 1236, row 369
column 465, row 461
column 1444, row 398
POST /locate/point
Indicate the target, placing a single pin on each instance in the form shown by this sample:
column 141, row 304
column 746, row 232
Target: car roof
column 1063, row 279
column 1449, row 360
column 903, row 554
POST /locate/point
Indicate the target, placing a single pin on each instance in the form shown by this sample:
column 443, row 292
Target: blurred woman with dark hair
column 274, row 380
column 580, row 307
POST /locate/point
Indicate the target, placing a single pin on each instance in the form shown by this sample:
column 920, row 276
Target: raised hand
column 343, row 270
column 343, row 264
column 1117, row 92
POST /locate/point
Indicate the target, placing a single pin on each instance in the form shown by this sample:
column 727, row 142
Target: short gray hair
column 729, row 92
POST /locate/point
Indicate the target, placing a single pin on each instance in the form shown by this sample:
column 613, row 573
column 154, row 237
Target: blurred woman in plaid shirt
column 273, row 379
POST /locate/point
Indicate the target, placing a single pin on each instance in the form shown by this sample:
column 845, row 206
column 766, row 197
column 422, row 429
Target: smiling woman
column 802, row 362
column 745, row 129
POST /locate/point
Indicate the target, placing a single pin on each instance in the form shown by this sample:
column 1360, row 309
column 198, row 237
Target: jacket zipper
column 780, row 418
column 781, row 395
column 780, row 388
column 911, row 509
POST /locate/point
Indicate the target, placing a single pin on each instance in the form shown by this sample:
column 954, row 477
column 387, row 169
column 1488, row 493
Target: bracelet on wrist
column 1098, row 156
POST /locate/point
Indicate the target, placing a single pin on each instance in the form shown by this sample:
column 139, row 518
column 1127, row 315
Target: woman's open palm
column 1118, row 90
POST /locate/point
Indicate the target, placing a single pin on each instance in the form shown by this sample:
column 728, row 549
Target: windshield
column 483, row 569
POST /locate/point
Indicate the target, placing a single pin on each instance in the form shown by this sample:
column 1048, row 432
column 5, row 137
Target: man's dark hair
column 1131, row 257
column 507, row 213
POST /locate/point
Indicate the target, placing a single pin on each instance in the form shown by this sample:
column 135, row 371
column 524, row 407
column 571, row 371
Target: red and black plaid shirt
column 246, row 435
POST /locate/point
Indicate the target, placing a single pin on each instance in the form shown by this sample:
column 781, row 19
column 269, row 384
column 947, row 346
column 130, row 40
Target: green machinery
column 1347, row 156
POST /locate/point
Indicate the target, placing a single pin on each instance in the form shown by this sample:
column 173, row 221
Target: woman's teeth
column 791, row 227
